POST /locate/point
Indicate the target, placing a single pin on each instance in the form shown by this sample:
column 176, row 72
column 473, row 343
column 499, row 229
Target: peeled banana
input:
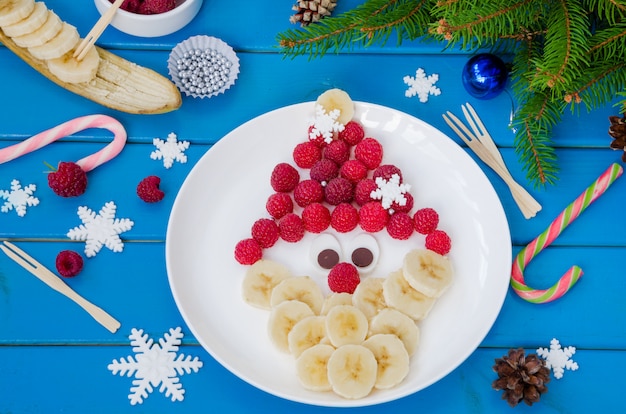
column 392, row 359
column 400, row 295
column 283, row 318
column 337, row 99
column 391, row 321
column 368, row 296
column 312, row 367
column 346, row 324
column 301, row 288
column 427, row 272
column 260, row 280
column 352, row 371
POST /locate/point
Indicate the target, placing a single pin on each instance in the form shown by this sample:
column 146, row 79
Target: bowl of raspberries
column 151, row 18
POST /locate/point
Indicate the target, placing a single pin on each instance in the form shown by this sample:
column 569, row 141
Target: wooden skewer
column 96, row 31
column 52, row 280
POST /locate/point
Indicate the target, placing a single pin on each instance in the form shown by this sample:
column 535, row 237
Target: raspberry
column 352, row 133
column 265, row 232
column 279, row 204
column 353, row 170
column 439, row 242
column 408, row 205
column 338, row 190
column 306, row 154
column 369, row 152
column 291, row 228
column 156, row 6
column 69, row 263
column 129, row 5
column 324, row 170
column 387, row 171
column 148, row 189
column 307, row 192
column 337, row 151
column 344, row 218
column 373, row 217
column 69, row 180
column 284, row 178
column 400, row 226
column 248, row 251
column 363, row 191
column 316, row 218
column 343, row 277
column 426, row 220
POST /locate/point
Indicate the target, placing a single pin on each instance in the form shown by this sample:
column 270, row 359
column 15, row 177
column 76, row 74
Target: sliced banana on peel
column 337, row 99
column 30, row 23
column 427, row 272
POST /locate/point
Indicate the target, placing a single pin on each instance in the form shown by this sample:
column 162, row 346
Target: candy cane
column 567, row 216
column 68, row 128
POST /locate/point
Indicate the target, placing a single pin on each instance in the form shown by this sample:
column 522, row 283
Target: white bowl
column 152, row 25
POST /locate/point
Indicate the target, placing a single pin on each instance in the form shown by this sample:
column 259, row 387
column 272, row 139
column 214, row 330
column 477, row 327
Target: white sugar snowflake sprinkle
column 155, row 364
column 325, row 124
column 390, row 191
column 18, row 198
column 557, row 358
column 422, row 85
column 170, row 150
column 101, row 229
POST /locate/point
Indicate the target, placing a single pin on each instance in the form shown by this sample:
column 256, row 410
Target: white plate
column 226, row 192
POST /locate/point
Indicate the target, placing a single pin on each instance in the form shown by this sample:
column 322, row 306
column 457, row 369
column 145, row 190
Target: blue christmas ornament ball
column 484, row 76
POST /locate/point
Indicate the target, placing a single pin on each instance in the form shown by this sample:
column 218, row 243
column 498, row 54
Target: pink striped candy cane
column 567, row 216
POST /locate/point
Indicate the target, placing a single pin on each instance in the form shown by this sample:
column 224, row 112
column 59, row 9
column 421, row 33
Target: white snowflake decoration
column 155, row 364
column 101, row 229
column 325, row 124
column 18, row 198
column 558, row 359
column 422, row 85
column 390, row 191
column 170, row 150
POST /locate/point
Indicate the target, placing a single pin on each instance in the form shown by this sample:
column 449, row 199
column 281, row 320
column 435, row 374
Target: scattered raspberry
column 69, row 263
column 291, row 228
column 338, row 190
column 344, row 277
column 373, row 217
column 324, row 170
column 438, row 241
column 387, row 171
column 279, row 204
column 363, row 191
column 69, row 180
column 129, row 5
column 352, row 133
column 148, row 189
column 369, row 152
column 156, row 6
column 265, row 232
column 307, row 192
column 344, row 218
column 306, row 154
column 316, row 218
column 337, row 151
column 406, row 207
column 353, row 170
column 284, row 178
column 426, row 220
column 400, row 226
column 248, row 251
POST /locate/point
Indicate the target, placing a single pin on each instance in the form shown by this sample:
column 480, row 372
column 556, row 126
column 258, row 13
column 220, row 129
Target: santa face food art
column 351, row 322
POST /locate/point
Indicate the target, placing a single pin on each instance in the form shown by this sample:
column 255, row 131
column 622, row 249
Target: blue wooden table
column 54, row 357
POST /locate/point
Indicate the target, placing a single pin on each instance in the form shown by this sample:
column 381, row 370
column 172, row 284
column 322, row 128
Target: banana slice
column 346, row 324
column 70, row 70
column 283, row 318
column 301, row 288
column 337, row 99
column 427, row 272
column 12, row 11
column 47, row 31
column 260, row 280
column 392, row 358
column 312, row 367
column 335, row 299
column 368, row 296
column 352, row 371
column 30, row 23
column 63, row 42
column 401, row 296
column 308, row 332
column 392, row 321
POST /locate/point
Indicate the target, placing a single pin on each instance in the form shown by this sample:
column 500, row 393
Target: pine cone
column 522, row 377
column 617, row 130
column 312, row 11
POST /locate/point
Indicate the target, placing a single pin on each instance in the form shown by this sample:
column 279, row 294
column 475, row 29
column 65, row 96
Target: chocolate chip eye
column 327, row 258
column 325, row 252
column 364, row 252
column 362, row 257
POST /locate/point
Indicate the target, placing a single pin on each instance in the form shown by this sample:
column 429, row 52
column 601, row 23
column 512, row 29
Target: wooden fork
column 96, row 31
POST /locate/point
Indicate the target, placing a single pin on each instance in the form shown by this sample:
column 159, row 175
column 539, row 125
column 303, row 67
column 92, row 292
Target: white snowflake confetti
column 170, row 150
column 390, row 191
column 155, row 364
column 325, row 124
column 101, row 229
column 422, row 85
column 18, row 198
column 557, row 358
